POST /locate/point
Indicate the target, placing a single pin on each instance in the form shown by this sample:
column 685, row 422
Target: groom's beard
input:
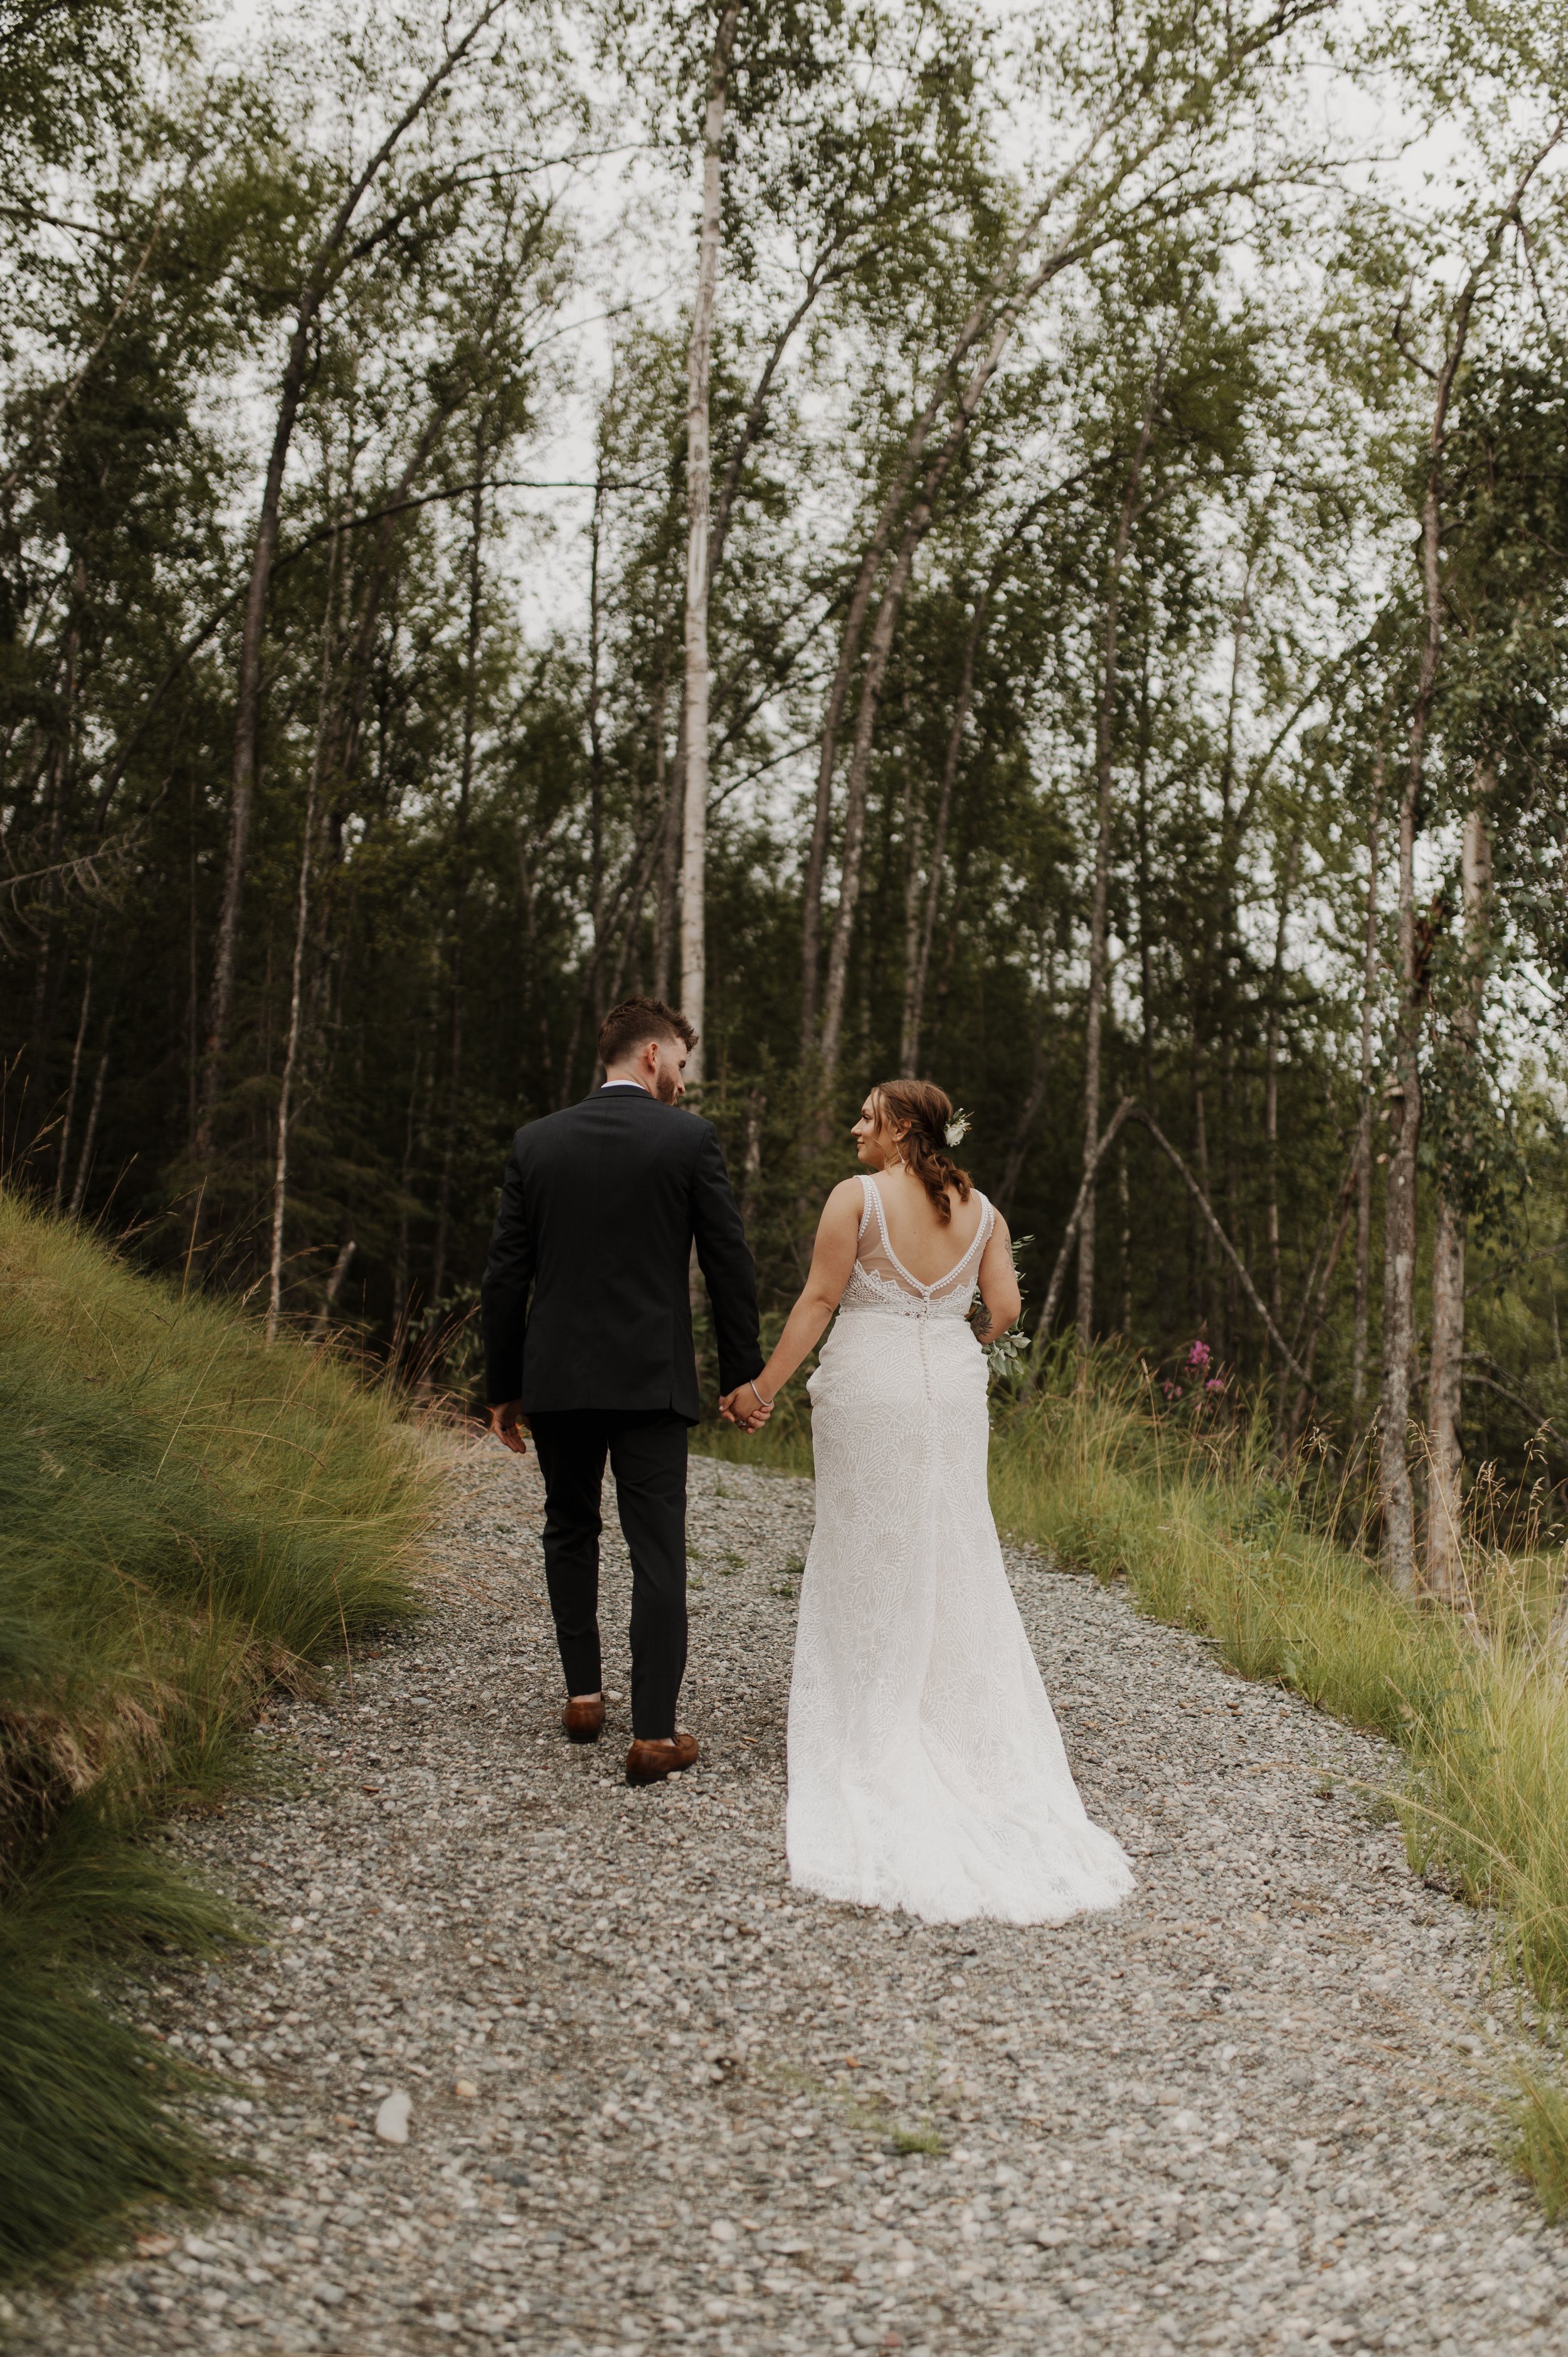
column 664, row 1087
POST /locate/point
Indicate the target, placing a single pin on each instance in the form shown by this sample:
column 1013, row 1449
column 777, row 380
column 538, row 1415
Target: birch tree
column 699, row 526
column 347, row 236
column 1398, row 1497
column 1443, row 1570
column 1142, row 158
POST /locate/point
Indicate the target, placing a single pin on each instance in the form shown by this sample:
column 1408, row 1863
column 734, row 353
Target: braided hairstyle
column 923, row 1107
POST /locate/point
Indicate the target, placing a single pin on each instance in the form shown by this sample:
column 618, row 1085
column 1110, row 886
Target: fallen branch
column 1058, row 1274
column 1129, row 1111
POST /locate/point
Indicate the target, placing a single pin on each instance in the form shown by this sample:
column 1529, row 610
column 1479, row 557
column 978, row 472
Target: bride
column 925, row 1769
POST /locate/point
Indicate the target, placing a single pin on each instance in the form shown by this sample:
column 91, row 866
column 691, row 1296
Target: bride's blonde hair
column 927, row 1112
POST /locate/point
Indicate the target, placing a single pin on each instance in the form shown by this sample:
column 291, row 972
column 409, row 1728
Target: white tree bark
column 1364, row 1124
column 698, row 501
column 1397, row 1495
column 1104, row 802
column 296, row 982
column 84, row 1167
column 1443, row 1573
column 64, row 1148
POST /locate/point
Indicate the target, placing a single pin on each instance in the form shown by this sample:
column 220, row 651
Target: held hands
column 506, row 1423
column 746, row 1408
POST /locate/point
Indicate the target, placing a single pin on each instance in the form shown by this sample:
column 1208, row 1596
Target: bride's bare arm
column 833, row 1258
column 998, row 1286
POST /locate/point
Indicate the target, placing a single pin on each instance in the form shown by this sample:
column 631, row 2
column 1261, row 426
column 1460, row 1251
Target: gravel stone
column 1252, row 2110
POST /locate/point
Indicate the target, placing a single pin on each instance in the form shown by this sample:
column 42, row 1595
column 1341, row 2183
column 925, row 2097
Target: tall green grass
column 187, row 1518
column 1210, row 1532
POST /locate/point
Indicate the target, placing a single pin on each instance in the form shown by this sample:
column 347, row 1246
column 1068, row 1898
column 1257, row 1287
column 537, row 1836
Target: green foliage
column 1210, row 1537
column 1206, row 432
column 1538, row 2146
column 190, row 1518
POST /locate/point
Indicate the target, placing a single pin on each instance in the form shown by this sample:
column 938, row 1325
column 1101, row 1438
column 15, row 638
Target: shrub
column 189, row 1517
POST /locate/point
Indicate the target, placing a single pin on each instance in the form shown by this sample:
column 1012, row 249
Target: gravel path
column 660, row 2105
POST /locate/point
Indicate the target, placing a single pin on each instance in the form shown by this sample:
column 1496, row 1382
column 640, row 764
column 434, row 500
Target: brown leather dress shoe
column 585, row 1721
column 650, row 1763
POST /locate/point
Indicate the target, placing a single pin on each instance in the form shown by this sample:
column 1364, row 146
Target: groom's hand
column 746, row 1407
column 506, row 1423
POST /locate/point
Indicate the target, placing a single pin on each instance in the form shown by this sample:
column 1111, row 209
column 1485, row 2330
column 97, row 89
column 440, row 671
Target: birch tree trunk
column 401, row 1304
column 1272, row 1095
column 914, row 853
column 699, row 526
column 64, row 1148
column 334, row 1287
column 291, row 1061
column 842, row 937
column 84, row 1166
column 666, row 788
column 1443, row 1570
column 917, row 965
column 1399, row 1259
column 1441, row 1573
column 1042, row 1063
column 1364, row 1122
column 296, row 980
column 1399, row 1218
column 1313, row 1310
column 460, row 880
column 1104, row 736
column 751, row 1157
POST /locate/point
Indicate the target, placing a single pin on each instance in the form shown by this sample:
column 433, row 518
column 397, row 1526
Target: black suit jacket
column 599, row 1208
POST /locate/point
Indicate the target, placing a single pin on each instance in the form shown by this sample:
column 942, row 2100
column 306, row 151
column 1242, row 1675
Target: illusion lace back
column 925, row 1769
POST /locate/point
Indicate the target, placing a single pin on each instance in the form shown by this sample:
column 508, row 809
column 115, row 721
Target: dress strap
column 875, row 1191
column 865, row 1195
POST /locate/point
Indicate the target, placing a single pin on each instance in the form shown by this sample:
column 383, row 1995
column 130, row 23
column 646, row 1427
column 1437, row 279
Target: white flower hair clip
column 957, row 1129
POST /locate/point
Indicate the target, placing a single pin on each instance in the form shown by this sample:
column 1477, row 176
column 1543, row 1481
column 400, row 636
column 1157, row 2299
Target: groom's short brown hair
column 638, row 1020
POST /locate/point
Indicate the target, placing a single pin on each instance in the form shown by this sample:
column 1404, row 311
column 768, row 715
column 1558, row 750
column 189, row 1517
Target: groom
column 600, row 1206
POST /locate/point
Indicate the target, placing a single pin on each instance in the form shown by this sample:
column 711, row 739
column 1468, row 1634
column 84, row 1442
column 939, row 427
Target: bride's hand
column 746, row 1407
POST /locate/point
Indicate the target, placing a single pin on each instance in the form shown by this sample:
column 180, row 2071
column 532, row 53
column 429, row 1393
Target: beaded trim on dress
column 879, row 1279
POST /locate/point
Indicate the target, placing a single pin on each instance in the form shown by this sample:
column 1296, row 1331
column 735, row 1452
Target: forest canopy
column 1023, row 544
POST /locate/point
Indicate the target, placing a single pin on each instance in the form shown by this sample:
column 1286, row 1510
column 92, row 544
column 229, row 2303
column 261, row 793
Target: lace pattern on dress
column 926, row 1770
column 879, row 1279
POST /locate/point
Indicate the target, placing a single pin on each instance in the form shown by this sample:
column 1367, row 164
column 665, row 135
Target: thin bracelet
column 760, row 1396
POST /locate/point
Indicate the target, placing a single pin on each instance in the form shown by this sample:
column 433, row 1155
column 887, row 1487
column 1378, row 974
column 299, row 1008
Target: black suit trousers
column 647, row 1453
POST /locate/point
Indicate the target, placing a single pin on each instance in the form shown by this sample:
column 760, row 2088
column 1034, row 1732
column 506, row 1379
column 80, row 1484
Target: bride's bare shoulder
column 842, row 1208
column 838, row 1230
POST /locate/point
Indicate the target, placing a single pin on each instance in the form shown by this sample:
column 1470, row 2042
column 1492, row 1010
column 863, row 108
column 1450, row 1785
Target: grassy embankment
column 1211, row 1535
column 189, row 1519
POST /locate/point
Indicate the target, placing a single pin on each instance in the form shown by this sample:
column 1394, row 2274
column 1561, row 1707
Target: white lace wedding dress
column 925, row 1769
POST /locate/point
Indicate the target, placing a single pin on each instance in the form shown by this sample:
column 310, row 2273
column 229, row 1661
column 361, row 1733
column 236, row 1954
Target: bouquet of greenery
column 1007, row 1354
